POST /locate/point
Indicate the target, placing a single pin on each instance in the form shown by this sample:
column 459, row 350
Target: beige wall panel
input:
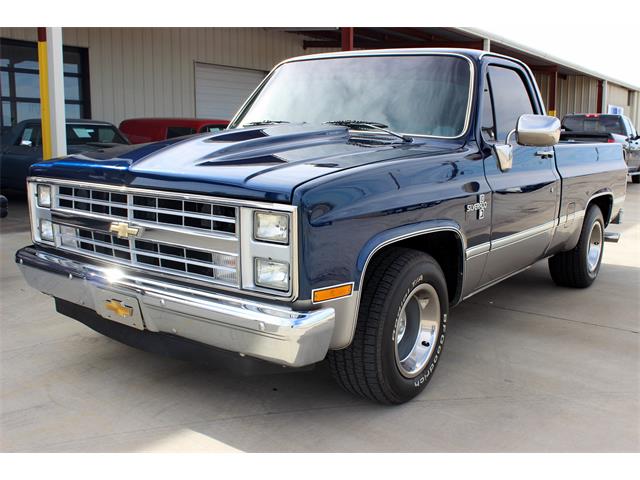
column 577, row 94
column 619, row 96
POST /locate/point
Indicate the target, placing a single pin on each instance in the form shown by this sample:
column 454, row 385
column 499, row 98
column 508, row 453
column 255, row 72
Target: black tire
column 571, row 269
column 368, row 367
column 635, row 179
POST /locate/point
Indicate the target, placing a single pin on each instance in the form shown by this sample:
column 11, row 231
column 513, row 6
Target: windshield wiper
column 364, row 125
column 266, row 122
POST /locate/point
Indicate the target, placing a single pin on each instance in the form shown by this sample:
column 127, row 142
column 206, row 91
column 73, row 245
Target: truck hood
column 259, row 163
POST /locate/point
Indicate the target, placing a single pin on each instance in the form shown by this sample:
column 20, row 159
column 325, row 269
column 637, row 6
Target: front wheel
column 579, row 267
column 635, row 178
column 400, row 331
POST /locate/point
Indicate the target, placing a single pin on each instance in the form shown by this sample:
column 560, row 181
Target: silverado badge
column 123, row 230
column 479, row 206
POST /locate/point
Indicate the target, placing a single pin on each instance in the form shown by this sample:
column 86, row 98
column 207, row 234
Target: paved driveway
column 527, row 367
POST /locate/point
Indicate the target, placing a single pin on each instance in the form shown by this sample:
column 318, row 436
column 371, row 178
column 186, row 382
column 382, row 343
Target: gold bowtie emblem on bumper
column 118, row 308
column 123, row 230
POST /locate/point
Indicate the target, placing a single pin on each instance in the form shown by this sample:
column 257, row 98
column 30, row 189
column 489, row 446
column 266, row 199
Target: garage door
column 221, row 91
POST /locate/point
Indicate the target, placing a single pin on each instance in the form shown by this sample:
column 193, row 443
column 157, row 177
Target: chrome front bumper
column 273, row 333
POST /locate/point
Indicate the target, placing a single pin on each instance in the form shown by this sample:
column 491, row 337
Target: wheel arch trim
column 395, row 235
column 602, row 193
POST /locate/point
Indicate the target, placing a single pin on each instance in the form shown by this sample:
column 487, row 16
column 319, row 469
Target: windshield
column 422, row 95
column 594, row 123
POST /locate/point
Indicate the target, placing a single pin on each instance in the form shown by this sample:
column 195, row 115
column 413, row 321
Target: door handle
column 545, row 153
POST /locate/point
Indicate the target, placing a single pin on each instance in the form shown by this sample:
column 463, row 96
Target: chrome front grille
column 186, row 261
column 183, row 235
column 157, row 209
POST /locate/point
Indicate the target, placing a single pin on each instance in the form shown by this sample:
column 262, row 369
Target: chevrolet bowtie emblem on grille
column 123, row 230
column 479, row 206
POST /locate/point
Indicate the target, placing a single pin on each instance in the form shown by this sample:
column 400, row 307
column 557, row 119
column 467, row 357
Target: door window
column 629, row 127
column 510, row 99
column 31, row 136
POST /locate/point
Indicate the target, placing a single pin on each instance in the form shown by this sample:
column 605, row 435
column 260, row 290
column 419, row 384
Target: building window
column 20, row 83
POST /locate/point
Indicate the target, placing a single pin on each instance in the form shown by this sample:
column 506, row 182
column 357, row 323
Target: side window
column 487, row 122
column 628, row 127
column 31, row 137
column 173, row 132
column 212, row 128
column 510, row 99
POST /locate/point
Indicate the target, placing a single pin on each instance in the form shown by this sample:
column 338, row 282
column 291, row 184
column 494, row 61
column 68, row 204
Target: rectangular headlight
column 45, row 229
column 271, row 227
column 44, row 195
column 271, row 274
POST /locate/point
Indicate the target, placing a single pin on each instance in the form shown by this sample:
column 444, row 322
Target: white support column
column 56, row 92
column 486, row 44
column 605, row 96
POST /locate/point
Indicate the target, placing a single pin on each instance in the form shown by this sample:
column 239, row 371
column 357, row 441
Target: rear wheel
column 400, row 331
column 579, row 267
column 635, row 179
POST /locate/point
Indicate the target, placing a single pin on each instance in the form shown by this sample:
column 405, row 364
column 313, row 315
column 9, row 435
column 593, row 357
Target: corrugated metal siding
column 150, row 71
column 543, row 83
column 577, row 94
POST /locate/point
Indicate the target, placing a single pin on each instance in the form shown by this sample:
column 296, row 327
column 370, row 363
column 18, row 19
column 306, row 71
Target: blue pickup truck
column 354, row 199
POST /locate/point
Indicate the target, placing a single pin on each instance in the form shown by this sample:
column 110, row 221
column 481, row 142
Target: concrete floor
column 527, row 367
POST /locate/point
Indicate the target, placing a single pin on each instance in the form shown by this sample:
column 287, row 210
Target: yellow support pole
column 44, row 93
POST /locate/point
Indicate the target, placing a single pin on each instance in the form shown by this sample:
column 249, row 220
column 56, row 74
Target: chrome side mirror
column 538, row 130
column 26, row 143
column 531, row 130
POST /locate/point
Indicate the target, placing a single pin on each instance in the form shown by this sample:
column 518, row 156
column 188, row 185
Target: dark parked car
column 355, row 198
column 598, row 127
column 4, row 206
column 22, row 147
column 143, row 130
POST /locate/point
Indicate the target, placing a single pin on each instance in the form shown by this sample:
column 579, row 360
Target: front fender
column 347, row 308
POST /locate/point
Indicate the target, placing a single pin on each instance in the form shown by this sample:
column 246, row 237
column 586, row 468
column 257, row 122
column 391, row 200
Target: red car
column 143, row 130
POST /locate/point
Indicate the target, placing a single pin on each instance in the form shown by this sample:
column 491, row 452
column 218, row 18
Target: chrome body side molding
column 524, row 235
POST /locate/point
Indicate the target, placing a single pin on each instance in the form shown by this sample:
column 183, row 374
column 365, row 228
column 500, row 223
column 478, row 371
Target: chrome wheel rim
column 594, row 250
column 417, row 330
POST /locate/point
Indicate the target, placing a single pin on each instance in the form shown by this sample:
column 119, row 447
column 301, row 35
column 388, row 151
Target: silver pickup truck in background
column 609, row 128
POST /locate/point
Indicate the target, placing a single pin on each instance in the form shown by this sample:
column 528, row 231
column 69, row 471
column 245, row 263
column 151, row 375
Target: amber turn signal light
column 330, row 293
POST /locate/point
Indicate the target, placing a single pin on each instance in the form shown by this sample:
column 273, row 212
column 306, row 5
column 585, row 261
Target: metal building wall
column 542, row 79
column 620, row 96
column 577, row 94
column 150, row 71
